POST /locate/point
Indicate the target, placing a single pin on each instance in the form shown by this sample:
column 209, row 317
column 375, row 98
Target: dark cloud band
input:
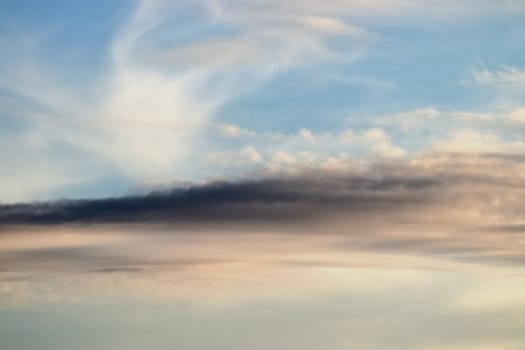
column 264, row 199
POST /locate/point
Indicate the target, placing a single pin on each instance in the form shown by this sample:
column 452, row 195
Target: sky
column 114, row 97
column 232, row 174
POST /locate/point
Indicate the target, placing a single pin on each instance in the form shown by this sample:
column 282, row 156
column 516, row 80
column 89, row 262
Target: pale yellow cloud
column 243, row 156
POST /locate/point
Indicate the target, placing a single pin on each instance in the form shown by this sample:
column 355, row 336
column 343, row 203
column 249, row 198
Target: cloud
column 144, row 115
column 332, row 26
column 288, row 151
column 458, row 206
column 377, row 140
column 435, row 121
column 505, row 76
column 234, row 131
column 517, row 116
column 408, row 120
column 245, row 156
column 475, row 141
column 288, row 198
column 407, row 134
column 384, row 9
column 93, row 259
column 307, row 135
column 506, row 84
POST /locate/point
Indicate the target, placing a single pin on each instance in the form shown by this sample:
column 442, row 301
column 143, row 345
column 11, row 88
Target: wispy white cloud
column 505, row 76
column 385, row 9
column 307, row 135
column 247, row 155
column 439, row 121
column 234, row 131
column 408, row 120
column 152, row 106
column 376, row 139
column 475, row 141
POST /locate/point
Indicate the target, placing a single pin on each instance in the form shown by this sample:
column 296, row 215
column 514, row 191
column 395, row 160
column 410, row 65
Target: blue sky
column 103, row 98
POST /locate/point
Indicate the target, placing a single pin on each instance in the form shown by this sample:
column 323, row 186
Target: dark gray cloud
column 287, row 198
column 433, row 190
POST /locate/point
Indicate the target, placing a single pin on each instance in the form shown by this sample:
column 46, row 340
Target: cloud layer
column 461, row 206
